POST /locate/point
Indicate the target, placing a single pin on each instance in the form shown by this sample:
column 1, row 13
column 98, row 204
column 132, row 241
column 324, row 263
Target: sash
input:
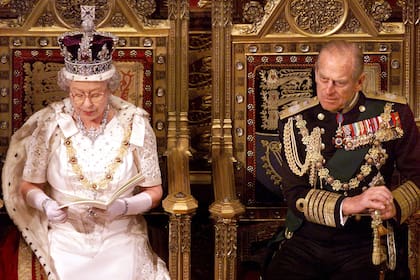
column 352, row 159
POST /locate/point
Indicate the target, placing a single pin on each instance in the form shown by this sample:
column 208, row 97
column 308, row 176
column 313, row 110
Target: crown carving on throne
column 87, row 53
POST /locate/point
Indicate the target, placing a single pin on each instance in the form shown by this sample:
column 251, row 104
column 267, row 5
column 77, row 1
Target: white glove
column 116, row 209
column 137, row 204
column 37, row 199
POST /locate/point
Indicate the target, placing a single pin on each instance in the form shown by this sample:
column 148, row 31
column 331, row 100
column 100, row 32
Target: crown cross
column 88, row 25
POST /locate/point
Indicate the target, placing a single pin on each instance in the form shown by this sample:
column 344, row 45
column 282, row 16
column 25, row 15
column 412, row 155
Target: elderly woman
column 85, row 148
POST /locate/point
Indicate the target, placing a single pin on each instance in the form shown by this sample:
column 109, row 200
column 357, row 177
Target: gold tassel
column 378, row 231
column 376, row 224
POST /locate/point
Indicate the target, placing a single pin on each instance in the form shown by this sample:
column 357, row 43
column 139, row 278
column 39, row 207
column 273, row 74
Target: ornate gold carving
column 46, row 19
column 317, row 18
column 179, row 246
column 281, row 25
column 143, row 8
column 253, row 11
column 179, row 203
column 68, row 11
column 221, row 14
column 19, row 12
column 225, row 251
column 226, row 207
column 411, row 11
column 178, row 10
column 352, row 25
column 381, row 10
column 255, row 27
column 118, row 20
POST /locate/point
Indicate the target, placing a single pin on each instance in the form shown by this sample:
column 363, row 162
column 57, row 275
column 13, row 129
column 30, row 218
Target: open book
column 132, row 182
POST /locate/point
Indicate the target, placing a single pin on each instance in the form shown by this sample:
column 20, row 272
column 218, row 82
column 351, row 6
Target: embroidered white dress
column 88, row 247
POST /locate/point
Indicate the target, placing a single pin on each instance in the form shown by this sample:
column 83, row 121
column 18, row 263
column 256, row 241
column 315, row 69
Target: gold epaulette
column 299, row 107
column 386, row 96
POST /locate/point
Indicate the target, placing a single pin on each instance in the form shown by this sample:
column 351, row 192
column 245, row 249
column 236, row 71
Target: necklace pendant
column 93, row 133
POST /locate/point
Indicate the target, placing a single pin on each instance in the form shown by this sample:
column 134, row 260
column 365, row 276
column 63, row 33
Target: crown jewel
column 87, row 53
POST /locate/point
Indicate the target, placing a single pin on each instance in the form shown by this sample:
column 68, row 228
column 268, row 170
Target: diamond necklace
column 93, row 133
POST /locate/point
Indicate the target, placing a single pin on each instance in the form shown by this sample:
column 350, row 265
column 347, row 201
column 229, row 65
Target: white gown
column 88, row 247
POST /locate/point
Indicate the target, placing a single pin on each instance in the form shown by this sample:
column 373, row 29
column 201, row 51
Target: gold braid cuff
column 318, row 207
column 408, row 198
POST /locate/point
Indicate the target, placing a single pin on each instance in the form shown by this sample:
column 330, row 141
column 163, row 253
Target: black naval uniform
column 321, row 247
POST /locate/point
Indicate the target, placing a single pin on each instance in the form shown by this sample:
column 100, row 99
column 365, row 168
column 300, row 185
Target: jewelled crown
column 87, row 53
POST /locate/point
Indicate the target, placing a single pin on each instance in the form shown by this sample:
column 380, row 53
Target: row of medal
column 361, row 133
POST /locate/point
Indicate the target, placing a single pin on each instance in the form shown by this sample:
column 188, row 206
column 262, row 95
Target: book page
column 131, row 183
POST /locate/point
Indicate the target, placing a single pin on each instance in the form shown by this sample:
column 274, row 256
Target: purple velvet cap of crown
column 72, row 43
column 87, row 55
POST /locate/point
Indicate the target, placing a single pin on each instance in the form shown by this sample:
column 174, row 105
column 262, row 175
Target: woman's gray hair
column 64, row 83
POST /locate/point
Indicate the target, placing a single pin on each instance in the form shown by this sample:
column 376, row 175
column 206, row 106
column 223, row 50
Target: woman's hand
column 140, row 203
column 117, row 209
column 53, row 213
column 36, row 198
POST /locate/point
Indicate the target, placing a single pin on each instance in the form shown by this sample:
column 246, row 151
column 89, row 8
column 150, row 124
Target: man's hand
column 374, row 198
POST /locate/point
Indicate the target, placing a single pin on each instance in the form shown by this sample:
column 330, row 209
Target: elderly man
column 340, row 152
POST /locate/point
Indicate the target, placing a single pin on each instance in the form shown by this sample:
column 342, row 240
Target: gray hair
column 345, row 48
column 113, row 82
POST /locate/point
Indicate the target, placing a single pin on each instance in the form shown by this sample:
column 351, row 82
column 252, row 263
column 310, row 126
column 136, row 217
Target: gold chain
column 313, row 148
column 376, row 156
column 314, row 161
column 112, row 167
